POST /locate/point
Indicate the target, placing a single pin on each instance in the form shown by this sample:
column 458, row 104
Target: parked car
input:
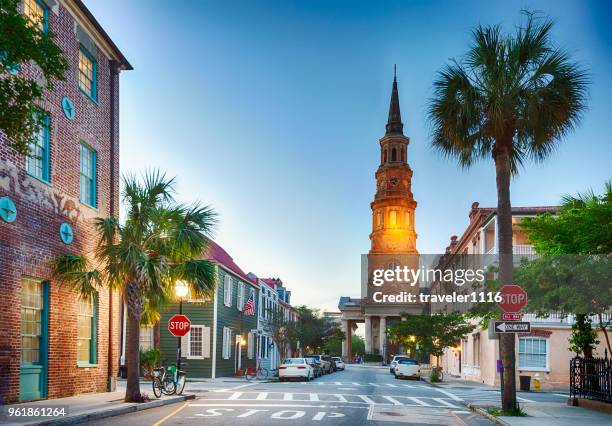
column 332, row 364
column 326, row 366
column 394, row 362
column 339, row 363
column 295, row 368
column 407, row 367
column 316, row 366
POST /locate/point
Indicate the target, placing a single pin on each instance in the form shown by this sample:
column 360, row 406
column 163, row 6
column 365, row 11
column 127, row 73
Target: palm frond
column 200, row 274
column 76, row 272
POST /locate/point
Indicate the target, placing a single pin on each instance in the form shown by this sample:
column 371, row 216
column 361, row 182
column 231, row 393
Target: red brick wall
column 29, row 243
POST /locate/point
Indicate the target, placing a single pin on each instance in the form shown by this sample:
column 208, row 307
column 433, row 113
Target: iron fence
column 591, row 378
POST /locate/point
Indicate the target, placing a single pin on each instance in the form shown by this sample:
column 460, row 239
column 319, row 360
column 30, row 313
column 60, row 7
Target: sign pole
column 178, row 348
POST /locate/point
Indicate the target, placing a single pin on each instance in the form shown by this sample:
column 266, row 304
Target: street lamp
column 180, row 289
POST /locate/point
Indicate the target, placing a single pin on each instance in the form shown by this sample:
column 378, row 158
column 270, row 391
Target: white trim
column 547, row 340
column 188, row 338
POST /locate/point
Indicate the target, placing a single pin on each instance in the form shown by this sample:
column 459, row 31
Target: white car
column 295, row 368
column 407, row 367
column 394, row 361
column 339, row 362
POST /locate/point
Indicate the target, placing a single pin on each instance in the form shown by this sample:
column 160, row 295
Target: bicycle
column 168, row 382
column 260, row 373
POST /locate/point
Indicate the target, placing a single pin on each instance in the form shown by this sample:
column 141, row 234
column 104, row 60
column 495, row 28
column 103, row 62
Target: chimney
column 474, row 210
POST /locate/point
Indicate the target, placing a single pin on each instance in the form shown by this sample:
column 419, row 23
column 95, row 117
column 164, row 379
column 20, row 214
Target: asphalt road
column 359, row 395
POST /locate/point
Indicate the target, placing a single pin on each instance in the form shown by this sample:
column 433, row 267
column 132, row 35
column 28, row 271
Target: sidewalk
column 86, row 407
column 551, row 413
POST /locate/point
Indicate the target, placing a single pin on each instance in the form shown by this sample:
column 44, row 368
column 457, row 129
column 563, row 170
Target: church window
column 407, row 219
column 394, row 154
column 385, row 155
column 379, row 220
column 393, row 219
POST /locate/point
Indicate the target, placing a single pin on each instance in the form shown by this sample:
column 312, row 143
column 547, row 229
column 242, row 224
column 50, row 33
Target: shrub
column 149, row 360
column 372, row 358
column 434, row 377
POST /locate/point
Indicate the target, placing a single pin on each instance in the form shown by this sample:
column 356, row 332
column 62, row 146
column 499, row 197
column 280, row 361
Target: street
column 359, row 395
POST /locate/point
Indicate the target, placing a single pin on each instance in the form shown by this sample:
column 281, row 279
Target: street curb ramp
column 484, row 413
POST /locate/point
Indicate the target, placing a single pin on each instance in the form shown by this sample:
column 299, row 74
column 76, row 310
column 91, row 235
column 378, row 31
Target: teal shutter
column 93, row 357
column 94, row 178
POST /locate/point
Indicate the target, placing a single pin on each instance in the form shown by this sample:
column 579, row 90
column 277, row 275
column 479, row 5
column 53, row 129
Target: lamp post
column 180, row 289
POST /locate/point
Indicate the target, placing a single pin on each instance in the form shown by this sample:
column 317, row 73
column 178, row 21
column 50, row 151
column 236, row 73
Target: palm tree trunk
column 504, row 223
column 132, row 391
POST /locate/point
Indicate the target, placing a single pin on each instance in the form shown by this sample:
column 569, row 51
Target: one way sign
column 512, row 327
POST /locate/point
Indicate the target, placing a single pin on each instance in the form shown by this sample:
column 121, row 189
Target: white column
column 368, row 334
column 345, row 341
column 383, row 326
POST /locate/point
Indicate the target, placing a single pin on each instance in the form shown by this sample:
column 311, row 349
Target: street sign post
column 179, row 325
column 514, row 298
column 511, row 317
column 512, row 327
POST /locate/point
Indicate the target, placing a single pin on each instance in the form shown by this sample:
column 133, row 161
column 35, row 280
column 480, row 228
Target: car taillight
column 282, row 368
column 301, row 367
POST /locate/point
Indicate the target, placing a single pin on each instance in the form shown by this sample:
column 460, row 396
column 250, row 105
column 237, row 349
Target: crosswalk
column 481, row 395
column 358, row 384
column 335, row 399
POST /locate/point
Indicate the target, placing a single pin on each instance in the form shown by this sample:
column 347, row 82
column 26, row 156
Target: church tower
column 393, row 206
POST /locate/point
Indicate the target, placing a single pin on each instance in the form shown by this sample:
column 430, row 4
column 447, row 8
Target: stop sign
column 179, row 325
column 514, row 298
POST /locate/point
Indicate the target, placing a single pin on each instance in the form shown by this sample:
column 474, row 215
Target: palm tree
column 159, row 243
column 514, row 98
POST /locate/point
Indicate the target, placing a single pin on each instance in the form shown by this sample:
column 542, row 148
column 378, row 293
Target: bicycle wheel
column 262, row 373
column 157, row 388
column 180, row 384
column 250, row 374
column 168, row 386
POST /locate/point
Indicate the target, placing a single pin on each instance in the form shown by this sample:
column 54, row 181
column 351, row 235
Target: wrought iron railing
column 591, row 378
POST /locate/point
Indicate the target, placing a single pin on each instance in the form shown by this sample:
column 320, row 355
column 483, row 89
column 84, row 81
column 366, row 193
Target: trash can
column 525, row 383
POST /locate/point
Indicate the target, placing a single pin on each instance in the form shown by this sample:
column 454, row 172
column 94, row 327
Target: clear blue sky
column 272, row 111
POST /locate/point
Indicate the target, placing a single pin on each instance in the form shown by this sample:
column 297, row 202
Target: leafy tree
column 22, row 42
column 159, row 243
column 573, row 274
column 583, row 338
column 512, row 98
column 313, row 330
column 333, row 346
column 429, row 333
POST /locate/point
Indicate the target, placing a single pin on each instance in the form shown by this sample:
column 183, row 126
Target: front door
column 34, row 332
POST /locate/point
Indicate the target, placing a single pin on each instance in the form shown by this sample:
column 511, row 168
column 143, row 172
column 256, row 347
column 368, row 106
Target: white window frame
column 227, row 343
column 149, row 334
column 240, row 302
column 227, row 290
column 547, row 356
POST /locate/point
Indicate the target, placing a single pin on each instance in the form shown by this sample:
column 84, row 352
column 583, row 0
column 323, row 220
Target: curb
column 491, row 417
column 112, row 412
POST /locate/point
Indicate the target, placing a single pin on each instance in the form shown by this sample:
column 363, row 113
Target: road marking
column 560, row 394
column 261, row 395
column 393, row 400
column 288, row 397
column 338, row 383
column 271, row 405
column 235, row 395
column 418, row 401
column 450, row 395
column 460, row 412
column 524, row 399
column 443, row 402
column 314, row 397
column 346, row 388
column 356, row 384
column 341, row 398
column 172, row 414
column 391, row 385
column 281, row 414
column 374, row 384
column 366, row 399
column 249, row 413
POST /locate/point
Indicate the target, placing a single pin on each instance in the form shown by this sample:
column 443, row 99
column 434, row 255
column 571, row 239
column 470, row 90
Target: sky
column 271, row 112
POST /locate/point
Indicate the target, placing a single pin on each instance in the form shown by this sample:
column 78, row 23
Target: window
column 393, row 219
column 195, row 341
column 86, row 324
column 464, row 351
column 476, row 348
column 31, row 320
column 533, row 353
column 146, row 338
column 240, row 303
column 227, row 343
column 393, row 154
column 37, row 162
column 88, row 176
column 227, row 290
column 87, row 74
column 37, row 13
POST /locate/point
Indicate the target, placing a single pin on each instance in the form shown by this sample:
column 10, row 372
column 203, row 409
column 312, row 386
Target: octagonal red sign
column 179, row 325
column 514, row 298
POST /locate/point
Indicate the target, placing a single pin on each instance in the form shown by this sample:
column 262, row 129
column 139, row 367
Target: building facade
column 393, row 235
column 542, row 352
column 53, row 344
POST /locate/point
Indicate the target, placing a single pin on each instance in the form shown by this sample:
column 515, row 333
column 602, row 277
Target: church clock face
column 394, row 181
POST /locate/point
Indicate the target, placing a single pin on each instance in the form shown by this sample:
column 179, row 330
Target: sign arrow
column 501, row 327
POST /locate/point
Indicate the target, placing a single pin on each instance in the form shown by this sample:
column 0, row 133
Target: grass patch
column 496, row 411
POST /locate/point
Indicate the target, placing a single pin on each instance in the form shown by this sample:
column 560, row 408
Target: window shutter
column 206, row 342
column 224, row 347
column 227, row 290
column 230, row 346
column 185, row 345
column 250, row 346
column 240, row 304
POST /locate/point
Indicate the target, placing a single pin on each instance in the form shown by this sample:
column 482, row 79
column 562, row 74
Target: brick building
column 52, row 343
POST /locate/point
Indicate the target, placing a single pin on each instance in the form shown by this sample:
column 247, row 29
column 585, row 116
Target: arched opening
column 394, row 154
column 385, row 155
column 393, row 219
column 403, row 154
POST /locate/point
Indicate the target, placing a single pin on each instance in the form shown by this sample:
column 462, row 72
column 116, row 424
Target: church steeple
column 394, row 123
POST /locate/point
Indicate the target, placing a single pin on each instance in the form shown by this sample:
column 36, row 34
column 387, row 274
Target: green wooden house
column 222, row 339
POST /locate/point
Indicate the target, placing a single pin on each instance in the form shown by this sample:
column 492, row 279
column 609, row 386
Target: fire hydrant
column 537, row 383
